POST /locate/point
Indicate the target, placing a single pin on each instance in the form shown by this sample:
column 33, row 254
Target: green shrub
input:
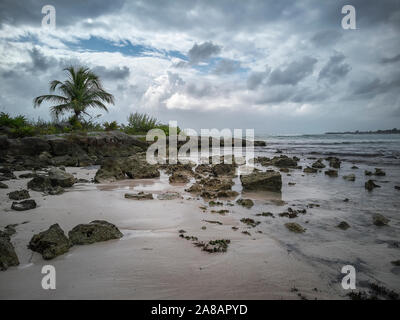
column 7, row 121
column 140, row 123
column 23, row 131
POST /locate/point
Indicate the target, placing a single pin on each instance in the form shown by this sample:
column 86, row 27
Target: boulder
column 23, row 205
column 318, row 164
column 95, row 231
column 370, row 185
column 8, row 257
column 139, row 196
column 380, row 220
column 168, row 196
column 223, row 169
column 350, row 177
column 310, row 170
column 269, row 181
column 331, row 173
column 294, row 227
column 334, row 162
column 284, row 161
column 19, row 195
column 59, row 177
column 3, row 185
column 247, row 203
column 379, row 172
column 50, row 243
column 343, row 225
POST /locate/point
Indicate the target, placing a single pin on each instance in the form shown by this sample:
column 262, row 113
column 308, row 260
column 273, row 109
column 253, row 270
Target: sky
column 278, row 67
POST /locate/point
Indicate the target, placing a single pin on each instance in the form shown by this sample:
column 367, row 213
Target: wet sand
column 151, row 261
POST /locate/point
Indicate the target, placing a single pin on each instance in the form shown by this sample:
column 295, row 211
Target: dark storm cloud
column 39, row 61
column 326, row 37
column 226, row 66
column 256, row 78
column 335, row 69
column 29, row 12
column 202, row 52
column 117, row 73
column 391, row 60
column 370, row 88
column 294, row 72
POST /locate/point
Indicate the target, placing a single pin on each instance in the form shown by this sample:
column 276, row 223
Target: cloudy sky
column 279, row 67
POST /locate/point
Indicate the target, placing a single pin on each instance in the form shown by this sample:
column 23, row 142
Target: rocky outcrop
column 135, row 167
column 8, row 257
column 95, row 231
column 69, row 149
column 50, row 243
column 269, row 181
column 23, row 205
column 19, row 195
column 6, row 174
column 282, row 161
column 343, row 225
column 53, row 182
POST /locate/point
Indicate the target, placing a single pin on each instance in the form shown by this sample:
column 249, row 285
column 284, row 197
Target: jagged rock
column 284, row 161
column 3, row 185
column 139, row 196
column 8, row 257
column 223, row 169
column 294, row 227
column 269, row 181
column 95, row 231
column 343, row 225
column 179, row 177
column 61, row 178
column 310, row 170
column 350, row 177
column 318, row 164
column 19, row 195
column 247, row 203
column 354, row 167
column 370, row 185
column 168, row 196
column 52, row 182
column 135, row 167
column 211, row 188
column 379, row 172
column 24, row 205
column 368, row 173
column 334, row 162
column 380, row 220
column 331, row 173
column 50, row 243
column 397, row 187
column 250, row 222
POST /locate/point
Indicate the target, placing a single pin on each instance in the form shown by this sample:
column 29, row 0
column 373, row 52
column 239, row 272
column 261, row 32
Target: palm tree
column 82, row 90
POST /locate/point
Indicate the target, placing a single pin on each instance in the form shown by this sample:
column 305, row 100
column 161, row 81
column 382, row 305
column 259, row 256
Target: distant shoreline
column 390, row 131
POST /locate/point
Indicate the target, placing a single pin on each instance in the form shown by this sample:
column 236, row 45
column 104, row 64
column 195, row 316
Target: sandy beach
column 151, row 261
